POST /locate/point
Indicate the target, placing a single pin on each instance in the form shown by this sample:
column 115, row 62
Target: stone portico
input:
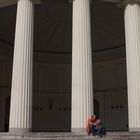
column 75, row 98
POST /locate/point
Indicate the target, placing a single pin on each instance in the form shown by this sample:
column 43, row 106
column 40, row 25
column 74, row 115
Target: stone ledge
column 70, row 136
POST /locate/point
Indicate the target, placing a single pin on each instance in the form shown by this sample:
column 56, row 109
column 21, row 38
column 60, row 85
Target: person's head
column 93, row 117
column 98, row 121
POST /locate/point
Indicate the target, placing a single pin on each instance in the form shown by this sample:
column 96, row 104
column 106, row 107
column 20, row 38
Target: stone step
column 70, row 136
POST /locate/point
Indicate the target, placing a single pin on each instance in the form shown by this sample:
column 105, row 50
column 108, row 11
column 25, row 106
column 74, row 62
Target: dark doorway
column 96, row 108
column 7, row 113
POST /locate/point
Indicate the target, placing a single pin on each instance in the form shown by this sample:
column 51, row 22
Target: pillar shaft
column 21, row 94
column 132, row 30
column 82, row 90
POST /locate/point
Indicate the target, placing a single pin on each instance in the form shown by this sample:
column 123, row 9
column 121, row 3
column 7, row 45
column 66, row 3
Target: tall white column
column 82, row 90
column 21, row 94
column 132, row 32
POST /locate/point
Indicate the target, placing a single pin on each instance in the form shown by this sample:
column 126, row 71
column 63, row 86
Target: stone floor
column 70, row 136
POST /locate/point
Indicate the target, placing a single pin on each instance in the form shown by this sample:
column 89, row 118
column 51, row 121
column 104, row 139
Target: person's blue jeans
column 98, row 130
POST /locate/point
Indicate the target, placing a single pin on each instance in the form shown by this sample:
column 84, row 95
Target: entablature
column 4, row 3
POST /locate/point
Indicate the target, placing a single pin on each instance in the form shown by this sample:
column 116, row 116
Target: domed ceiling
column 53, row 26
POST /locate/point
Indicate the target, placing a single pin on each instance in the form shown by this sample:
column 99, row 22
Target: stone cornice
column 123, row 3
column 4, row 3
column 37, row 1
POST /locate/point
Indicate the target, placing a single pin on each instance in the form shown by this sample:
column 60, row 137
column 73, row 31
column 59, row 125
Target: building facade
column 64, row 93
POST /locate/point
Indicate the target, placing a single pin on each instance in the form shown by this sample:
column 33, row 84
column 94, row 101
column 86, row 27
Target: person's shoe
column 100, row 135
column 96, row 136
column 93, row 134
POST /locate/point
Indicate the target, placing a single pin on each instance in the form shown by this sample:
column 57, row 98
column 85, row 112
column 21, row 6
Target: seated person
column 91, row 121
column 98, row 129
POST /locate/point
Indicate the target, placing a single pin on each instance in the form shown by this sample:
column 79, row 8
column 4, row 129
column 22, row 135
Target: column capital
column 123, row 3
column 71, row 1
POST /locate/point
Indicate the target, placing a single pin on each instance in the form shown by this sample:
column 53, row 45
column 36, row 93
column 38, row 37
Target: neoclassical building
column 62, row 60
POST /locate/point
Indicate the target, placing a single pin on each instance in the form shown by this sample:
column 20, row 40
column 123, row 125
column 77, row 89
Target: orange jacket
column 90, row 121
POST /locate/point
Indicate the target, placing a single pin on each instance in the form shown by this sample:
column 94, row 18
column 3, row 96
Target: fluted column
column 82, row 90
column 21, row 94
column 132, row 32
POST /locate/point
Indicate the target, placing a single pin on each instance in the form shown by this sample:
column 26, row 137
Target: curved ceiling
column 53, row 28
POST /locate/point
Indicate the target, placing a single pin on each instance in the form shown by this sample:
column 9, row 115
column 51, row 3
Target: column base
column 19, row 130
column 134, row 129
column 78, row 130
